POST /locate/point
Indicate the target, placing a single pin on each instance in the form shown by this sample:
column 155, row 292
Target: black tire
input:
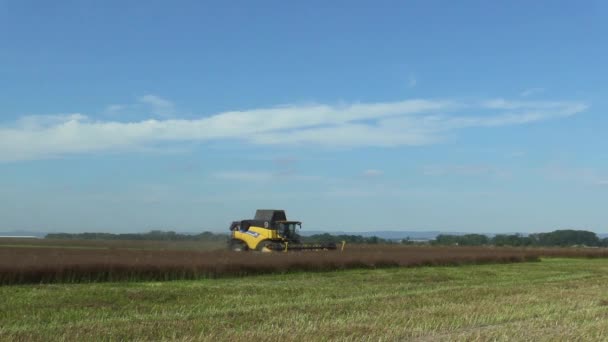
column 238, row 246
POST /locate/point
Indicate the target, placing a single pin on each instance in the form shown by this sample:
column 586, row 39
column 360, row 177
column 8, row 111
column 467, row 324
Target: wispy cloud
column 373, row 173
column 38, row 122
column 583, row 175
column 148, row 106
column 158, row 105
column 408, row 122
column 261, row 176
column 115, row 109
column 531, row 91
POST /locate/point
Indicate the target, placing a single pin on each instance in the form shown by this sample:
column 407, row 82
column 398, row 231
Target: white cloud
column 409, row 122
column 158, row 105
column 531, row 91
column 32, row 122
column 423, row 129
column 502, row 104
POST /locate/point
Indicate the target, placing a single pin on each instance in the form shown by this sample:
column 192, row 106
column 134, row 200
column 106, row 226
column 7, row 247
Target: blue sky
column 476, row 116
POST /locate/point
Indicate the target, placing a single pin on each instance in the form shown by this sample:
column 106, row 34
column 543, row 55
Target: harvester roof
column 270, row 215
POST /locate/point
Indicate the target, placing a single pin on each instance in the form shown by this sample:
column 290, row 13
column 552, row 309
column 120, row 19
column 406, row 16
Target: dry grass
column 552, row 300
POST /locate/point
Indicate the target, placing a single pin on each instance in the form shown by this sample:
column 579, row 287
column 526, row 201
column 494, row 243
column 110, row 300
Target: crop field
column 20, row 265
column 25, row 264
column 552, row 300
column 132, row 291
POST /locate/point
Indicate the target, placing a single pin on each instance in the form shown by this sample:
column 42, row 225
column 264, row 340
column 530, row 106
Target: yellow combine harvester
column 270, row 231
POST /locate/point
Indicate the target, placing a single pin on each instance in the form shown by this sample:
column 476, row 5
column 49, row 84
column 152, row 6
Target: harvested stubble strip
column 51, row 265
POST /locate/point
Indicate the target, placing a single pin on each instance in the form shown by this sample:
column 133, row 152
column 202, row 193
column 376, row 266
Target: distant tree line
column 354, row 239
column 563, row 238
column 556, row 238
column 154, row 235
column 159, row 235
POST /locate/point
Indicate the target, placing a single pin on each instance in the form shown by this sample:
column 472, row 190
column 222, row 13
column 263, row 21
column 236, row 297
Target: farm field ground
column 44, row 265
column 555, row 299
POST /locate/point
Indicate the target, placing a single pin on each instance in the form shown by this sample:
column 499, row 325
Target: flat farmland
column 555, row 299
column 147, row 290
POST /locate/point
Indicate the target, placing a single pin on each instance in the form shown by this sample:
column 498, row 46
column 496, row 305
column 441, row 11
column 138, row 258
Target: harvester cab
column 270, row 231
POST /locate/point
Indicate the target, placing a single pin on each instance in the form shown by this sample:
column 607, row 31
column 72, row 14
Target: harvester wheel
column 264, row 246
column 238, row 246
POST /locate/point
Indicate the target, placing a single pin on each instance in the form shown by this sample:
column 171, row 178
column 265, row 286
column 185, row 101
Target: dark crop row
column 48, row 265
column 52, row 265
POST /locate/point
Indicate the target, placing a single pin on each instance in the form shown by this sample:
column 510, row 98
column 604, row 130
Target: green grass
column 556, row 299
column 113, row 244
